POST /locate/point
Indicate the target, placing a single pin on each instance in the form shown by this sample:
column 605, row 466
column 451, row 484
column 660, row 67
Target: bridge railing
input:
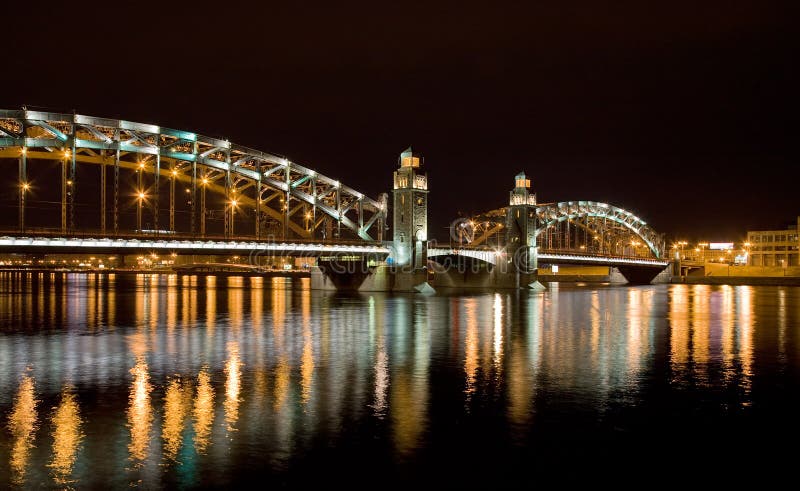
column 574, row 252
column 167, row 235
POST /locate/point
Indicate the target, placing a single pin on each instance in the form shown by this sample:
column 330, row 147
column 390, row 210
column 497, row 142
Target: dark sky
column 684, row 113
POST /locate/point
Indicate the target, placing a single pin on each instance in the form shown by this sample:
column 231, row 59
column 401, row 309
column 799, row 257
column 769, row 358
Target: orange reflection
column 22, row 425
column 498, row 334
column 235, row 299
column 233, row 374
column 211, row 305
column 701, row 329
column 638, row 336
column 67, row 437
column 203, row 411
column 282, row 374
column 177, row 400
column 745, row 307
column 679, row 327
column 307, row 366
column 409, row 399
column 282, row 370
column 140, row 413
column 471, row 346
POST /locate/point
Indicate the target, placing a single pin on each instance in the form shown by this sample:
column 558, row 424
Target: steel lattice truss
column 282, row 190
column 578, row 225
column 598, row 216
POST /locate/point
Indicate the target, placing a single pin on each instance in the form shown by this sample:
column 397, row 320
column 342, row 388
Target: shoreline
column 133, row 272
column 737, row 280
column 589, row 279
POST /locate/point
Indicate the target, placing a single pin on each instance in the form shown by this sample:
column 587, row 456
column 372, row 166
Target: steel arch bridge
column 582, row 227
column 279, row 198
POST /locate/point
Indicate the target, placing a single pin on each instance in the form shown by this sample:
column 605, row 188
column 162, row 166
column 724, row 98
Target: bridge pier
column 379, row 278
column 406, row 268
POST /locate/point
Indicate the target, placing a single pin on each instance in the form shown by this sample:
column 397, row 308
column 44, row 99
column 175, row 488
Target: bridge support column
column 103, row 191
column 203, row 204
column 156, row 191
column 116, row 185
column 258, row 205
column 287, row 197
column 23, row 186
column 193, row 197
column 73, row 183
column 173, row 178
column 64, row 192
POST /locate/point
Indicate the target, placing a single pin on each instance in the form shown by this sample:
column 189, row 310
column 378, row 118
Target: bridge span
column 114, row 186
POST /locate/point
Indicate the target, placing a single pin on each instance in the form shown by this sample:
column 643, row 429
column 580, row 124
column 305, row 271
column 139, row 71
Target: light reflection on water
column 208, row 375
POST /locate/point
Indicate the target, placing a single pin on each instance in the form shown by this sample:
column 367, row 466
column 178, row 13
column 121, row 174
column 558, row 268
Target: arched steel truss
column 602, row 221
column 244, row 175
column 549, row 215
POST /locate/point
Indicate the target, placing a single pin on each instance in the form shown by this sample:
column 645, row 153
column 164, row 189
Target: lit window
column 410, row 162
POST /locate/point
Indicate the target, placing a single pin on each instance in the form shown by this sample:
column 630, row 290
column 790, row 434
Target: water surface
column 174, row 381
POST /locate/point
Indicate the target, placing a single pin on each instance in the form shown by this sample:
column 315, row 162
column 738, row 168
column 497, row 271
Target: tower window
column 410, row 162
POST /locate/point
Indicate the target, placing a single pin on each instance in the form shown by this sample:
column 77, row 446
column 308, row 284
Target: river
column 184, row 381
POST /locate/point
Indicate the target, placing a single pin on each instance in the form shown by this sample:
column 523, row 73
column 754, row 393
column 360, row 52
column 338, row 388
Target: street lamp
column 703, row 246
column 204, row 183
column 635, row 244
column 682, row 243
column 140, row 197
column 234, row 204
column 747, row 253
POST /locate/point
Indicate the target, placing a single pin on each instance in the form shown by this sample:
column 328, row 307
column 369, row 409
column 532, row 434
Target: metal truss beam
column 87, row 135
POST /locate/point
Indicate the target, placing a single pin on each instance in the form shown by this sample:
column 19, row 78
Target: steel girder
column 85, row 136
column 550, row 214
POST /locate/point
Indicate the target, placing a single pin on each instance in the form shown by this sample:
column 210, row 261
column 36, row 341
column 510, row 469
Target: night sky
column 684, row 113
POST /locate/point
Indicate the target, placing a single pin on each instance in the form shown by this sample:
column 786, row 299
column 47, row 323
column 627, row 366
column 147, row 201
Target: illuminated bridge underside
column 123, row 246
column 308, row 200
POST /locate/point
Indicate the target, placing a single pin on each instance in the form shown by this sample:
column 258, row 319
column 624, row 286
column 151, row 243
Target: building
column 774, row 247
column 410, row 228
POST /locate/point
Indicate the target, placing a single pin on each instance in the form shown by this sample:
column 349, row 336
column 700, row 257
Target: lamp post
column 682, row 243
column 140, row 197
column 234, row 203
column 204, row 183
column 747, row 253
column 23, row 190
column 703, row 246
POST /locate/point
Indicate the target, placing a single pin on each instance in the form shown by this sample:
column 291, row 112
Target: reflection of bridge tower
column 521, row 226
column 410, row 227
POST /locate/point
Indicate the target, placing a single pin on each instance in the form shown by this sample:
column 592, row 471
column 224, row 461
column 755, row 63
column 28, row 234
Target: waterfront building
column 774, row 247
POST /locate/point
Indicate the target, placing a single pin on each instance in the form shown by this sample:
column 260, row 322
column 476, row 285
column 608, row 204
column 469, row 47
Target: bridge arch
column 308, row 200
column 549, row 215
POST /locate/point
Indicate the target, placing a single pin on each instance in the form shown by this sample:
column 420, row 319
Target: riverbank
column 132, row 272
column 738, row 280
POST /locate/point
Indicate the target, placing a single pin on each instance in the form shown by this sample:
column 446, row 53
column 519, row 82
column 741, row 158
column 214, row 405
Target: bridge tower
column 521, row 226
column 410, row 224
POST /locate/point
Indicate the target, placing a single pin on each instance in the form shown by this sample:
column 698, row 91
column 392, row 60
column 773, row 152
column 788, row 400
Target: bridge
column 145, row 189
